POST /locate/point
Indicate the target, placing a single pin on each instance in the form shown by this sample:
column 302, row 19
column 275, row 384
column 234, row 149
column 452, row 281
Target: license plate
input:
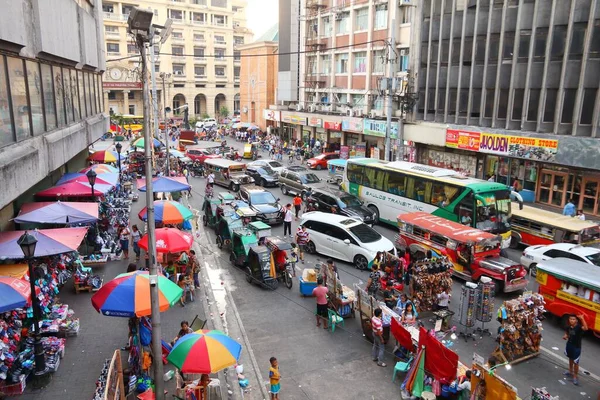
column 272, row 220
column 517, row 280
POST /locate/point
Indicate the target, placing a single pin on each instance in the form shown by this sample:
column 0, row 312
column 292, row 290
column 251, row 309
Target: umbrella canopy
column 79, row 189
column 106, row 178
column 14, row 293
column 49, row 212
column 168, row 212
column 105, row 156
column 169, row 240
column 128, row 295
column 204, row 352
column 101, row 168
column 139, row 143
column 50, row 242
column 165, row 184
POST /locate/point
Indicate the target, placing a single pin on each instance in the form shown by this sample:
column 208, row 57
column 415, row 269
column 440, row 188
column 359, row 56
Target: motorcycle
column 233, row 156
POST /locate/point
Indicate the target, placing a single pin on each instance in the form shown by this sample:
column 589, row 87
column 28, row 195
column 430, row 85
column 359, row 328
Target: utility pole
column 155, row 100
column 389, row 86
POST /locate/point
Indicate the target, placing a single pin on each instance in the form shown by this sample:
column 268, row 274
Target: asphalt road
column 544, row 370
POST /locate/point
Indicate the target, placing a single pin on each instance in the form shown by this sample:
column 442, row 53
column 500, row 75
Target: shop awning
column 105, row 178
column 50, row 212
column 50, row 242
column 165, row 184
column 74, row 189
column 17, row 271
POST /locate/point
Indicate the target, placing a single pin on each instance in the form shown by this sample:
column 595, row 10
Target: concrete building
column 258, row 79
column 510, row 89
column 51, row 65
column 199, row 63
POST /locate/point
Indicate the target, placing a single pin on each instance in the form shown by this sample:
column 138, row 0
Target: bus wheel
column 376, row 212
column 515, row 241
column 533, row 270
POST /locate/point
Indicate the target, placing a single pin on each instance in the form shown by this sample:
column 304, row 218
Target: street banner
column 344, row 152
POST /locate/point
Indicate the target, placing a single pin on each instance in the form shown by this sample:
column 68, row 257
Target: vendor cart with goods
column 429, row 278
column 136, row 163
column 244, row 238
column 473, row 253
column 366, row 305
column 307, row 282
column 341, row 297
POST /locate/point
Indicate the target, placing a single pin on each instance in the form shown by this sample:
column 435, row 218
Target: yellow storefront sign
column 590, row 305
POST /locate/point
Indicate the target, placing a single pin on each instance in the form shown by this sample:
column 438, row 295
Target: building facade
column 51, row 105
column 509, row 89
column 199, row 64
column 258, row 79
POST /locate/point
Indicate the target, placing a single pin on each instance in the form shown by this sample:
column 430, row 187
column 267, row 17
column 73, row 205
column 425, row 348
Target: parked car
column 298, row 180
column 533, row 255
column 320, row 162
column 261, row 201
column 208, row 123
column 339, row 202
column 344, row 238
column 263, row 175
column 200, row 154
column 274, row 165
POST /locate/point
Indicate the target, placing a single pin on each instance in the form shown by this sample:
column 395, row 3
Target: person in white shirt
column 443, row 298
column 211, row 180
column 580, row 215
column 464, row 388
column 287, row 220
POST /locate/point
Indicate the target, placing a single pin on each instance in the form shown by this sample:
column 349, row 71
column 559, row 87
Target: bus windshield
column 493, row 211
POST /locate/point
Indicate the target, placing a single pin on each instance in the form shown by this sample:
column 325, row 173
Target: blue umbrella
column 165, row 184
column 14, row 293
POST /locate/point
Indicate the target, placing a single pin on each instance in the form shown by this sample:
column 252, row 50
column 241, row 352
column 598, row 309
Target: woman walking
column 136, row 235
column 124, row 240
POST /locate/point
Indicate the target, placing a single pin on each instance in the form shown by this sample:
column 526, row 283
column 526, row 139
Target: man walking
column 573, row 335
column 297, row 205
column 195, row 268
column 569, row 208
column 378, row 340
column 302, row 238
column 320, row 292
column 287, row 220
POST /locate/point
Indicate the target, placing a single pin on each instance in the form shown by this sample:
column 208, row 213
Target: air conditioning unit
column 403, row 52
column 376, row 113
column 349, row 112
column 299, row 107
column 312, row 108
column 358, row 112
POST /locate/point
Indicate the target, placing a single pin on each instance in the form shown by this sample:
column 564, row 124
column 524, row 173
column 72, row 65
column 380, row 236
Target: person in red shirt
column 378, row 340
column 320, row 292
column 297, row 205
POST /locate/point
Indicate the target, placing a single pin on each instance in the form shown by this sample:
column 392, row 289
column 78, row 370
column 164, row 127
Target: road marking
column 565, row 360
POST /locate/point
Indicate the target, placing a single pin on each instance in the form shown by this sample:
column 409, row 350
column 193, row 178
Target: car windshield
column 309, row 178
column 275, row 164
column 349, row 201
column 266, row 170
column 262, row 198
column 493, row 211
column 594, row 259
column 365, row 234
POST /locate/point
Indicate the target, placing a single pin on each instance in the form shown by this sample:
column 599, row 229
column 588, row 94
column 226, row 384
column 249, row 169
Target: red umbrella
column 169, row 240
column 74, row 189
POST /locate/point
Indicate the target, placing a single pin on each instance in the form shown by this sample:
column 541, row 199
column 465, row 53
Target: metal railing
column 116, row 17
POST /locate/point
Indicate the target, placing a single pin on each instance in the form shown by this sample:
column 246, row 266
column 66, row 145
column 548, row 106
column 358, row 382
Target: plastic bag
column 145, row 335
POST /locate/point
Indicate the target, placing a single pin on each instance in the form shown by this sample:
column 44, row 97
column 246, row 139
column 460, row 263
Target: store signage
column 122, row 85
column 335, row 135
column 316, row 122
column 462, row 140
column 293, row 119
column 272, row 115
column 376, row 127
column 359, row 150
column 352, row 125
column 344, row 152
column 375, row 152
column 334, row 126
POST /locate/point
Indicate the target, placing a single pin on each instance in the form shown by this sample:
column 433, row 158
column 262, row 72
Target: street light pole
column 162, row 74
column 91, row 176
column 390, row 79
column 119, row 147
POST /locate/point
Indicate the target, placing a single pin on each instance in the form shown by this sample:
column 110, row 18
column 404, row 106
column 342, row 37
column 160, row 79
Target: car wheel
column 533, row 270
column 361, row 262
column 375, row 211
column 319, row 167
column 235, row 187
column 311, row 248
column 248, row 275
column 263, row 183
column 284, row 190
column 515, row 240
column 204, row 220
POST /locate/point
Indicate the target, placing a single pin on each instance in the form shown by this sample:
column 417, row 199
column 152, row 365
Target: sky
column 261, row 15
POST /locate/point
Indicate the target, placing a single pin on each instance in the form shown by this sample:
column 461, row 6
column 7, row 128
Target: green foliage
column 205, row 115
column 223, row 111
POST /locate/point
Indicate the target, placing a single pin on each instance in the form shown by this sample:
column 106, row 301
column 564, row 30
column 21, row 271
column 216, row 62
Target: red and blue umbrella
column 168, row 212
column 14, row 293
column 204, row 352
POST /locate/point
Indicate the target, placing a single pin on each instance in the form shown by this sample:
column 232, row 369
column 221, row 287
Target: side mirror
column 347, row 241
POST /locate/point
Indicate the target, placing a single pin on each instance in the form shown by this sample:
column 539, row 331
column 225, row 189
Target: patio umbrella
column 165, row 184
column 100, row 168
column 168, row 212
column 204, row 352
column 237, row 125
column 72, row 189
column 50, row 242
column 56, row 212
column 128, row 295
column 104, row 156
column 14, row 293
column 106, row 178
column 139, row 143
column 169, row 240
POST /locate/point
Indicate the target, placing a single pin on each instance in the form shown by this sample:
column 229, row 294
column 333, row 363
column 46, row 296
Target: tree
column 205, row 115
column 223, row 111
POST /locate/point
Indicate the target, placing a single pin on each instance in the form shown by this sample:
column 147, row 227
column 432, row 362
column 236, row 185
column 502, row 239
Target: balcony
column 179, row 39
column 178, row 75
column 178, row 58
column 200, row 77
column 198, row 22
column 218, row 23
column 220, row 60
column 200, row 59
column 220, row 43
column 221, row 77
column 199, row 40
column 116, row 17
column 112, row 34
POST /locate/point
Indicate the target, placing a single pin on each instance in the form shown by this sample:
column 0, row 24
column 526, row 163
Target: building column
column 125, row 102
column 106, row 106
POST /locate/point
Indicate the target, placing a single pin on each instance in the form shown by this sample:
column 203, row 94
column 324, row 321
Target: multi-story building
column 198, row 65
column 509, row 89
column 51, row 63
column 258, row 80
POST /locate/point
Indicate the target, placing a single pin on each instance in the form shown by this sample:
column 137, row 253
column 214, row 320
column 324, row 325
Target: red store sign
column 334, row 126
column 463, row 139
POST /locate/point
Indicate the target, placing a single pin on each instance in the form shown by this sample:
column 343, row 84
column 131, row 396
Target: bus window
column 369, row 177
column 427, row 196
column 439, row 196
column 465, row 210
column 379, row 179
column 355, row 173
column 420, row 190
column 396, row 183
column 410, row 187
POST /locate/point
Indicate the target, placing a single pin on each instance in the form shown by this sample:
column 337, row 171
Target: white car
column 209, row 123
column 533, row 255
column 344, row 238
column 275, row 165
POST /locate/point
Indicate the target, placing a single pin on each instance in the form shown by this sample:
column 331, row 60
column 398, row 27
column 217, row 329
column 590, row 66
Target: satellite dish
column 166, row 31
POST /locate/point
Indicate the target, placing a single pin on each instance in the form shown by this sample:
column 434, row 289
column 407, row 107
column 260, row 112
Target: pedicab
column 242, row 239
column 336, row 170
column 283, row 261
column 210, row 217
column 214, row 209
column 260, row 267
column 230, row 222
column 226, row 198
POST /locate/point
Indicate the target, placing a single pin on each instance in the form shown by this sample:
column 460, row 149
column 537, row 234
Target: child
column 274, row 377
column 184, row 284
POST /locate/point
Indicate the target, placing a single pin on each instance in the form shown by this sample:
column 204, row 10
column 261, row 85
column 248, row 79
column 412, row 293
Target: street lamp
column 119, row 147
column 27, row 242
column 91, row 175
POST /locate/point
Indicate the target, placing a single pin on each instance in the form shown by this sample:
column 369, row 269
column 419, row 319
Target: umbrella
column 100, row 168
column 128, row 295
column 50, row 212
column 176, row 153
column 204, row 352
column 105, row 156
column 168, row 212
column 165, row 184
column 50, row 242
column 79, row 189
column 106, row 178
column 139, row 143
column 14, row 293
column 168, row 240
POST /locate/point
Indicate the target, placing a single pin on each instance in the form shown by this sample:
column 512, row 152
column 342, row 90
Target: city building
column 258, row 78
column 198, row 65
column 344, row 55
column 509, row 89
column 51, row 109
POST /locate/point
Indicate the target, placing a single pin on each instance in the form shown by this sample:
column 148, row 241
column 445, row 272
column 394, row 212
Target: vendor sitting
column 185, row 329
column 389, row 298
column 408, row 317
column 464, row 386
column 171, row 271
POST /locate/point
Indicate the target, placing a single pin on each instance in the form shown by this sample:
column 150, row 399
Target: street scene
column 281, row 199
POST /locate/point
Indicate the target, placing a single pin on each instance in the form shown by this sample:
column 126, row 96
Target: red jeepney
column 473, row 253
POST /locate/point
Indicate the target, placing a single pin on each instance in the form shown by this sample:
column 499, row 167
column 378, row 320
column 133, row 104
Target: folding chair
column 197, row 324
column 334, row 319
column 401, row 366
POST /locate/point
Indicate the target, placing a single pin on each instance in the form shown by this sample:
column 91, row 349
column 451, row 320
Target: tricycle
column 241, row 241
column 336, row 170
column 210, row 217
column 250, row 151
column 232, row 221
column 260, row 268
column 283, row 262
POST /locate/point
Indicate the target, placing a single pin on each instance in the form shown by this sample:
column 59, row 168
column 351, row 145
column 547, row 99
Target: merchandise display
column 541, row 394
column 468, row 305
column 429, row 278
column 484, row 310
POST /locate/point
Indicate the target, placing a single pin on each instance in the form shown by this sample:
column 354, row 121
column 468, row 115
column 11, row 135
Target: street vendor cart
column 341, row 297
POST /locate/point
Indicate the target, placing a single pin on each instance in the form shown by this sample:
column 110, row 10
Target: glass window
column 489, row 103
column 199, row 70
column 326, row 64
column 587, row 108
column 379, row 61
column 355, row 173
column 236, row 72
column 568, row 103
column 219, row 71
column 34, row 83
column 517, row 110
column 362, row 19
column 219, row 54
column 75, row 95
column 112, row 47
column 6, row 129
column 595, row 44
column 60, row 93
column 98, row 93
column 90, row 92
column 326, row 27
column 342, row 25
column 524, row 41
column 93, row 90
column 550, row 105
column 558, row 42
column 395, row 183
column 179, row 69
column 509, row 44
column 237, row 55
column 177, row 50
column 360, row 61
column 539, row 48
column 577, row 40
column 341, row 63
column 381, row 16
column 18, row 92
column 82, row 99
column 68, row 93
column 502, row 103
column 534, row 102
column 49, row 102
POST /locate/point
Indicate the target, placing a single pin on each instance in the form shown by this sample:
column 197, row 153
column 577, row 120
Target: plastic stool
column 401, row 366
column 428, row 396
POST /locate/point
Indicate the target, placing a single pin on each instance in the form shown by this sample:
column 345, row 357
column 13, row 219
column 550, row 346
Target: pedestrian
column 195, row 268
column 274, row 377
column 124, row 240
column 374, row 282
column 569, row 208
column 378, row 340
column 573, row 335
column 136, row 235
column 580, row 215
column 443, row 298
column 171, row 271
column 287, row 220
column 185, row 330
column 297, row 205
column 302, row 239
column 320, row 292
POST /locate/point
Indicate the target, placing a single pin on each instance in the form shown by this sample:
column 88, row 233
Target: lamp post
column 91, row 176
column 119, row 147
column 28, row 242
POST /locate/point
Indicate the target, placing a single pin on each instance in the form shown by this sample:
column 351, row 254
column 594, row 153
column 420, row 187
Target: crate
column 15, row 389
column 81, row 288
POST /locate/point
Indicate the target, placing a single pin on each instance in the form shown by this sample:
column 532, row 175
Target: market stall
column 341, row 297
column 428, row 279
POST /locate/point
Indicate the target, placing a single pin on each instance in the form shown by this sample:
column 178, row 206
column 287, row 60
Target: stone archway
column 220, row 101
column 178, row 101
column 200, row 105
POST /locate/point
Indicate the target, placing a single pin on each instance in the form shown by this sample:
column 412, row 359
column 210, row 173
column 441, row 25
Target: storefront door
column 553, row 188
column 589, row 198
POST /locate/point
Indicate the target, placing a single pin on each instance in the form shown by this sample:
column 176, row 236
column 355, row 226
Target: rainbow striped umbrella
column 139, row 143
column 168, row 212
column 128, row 295
column 204, row 352
column 100, row 169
